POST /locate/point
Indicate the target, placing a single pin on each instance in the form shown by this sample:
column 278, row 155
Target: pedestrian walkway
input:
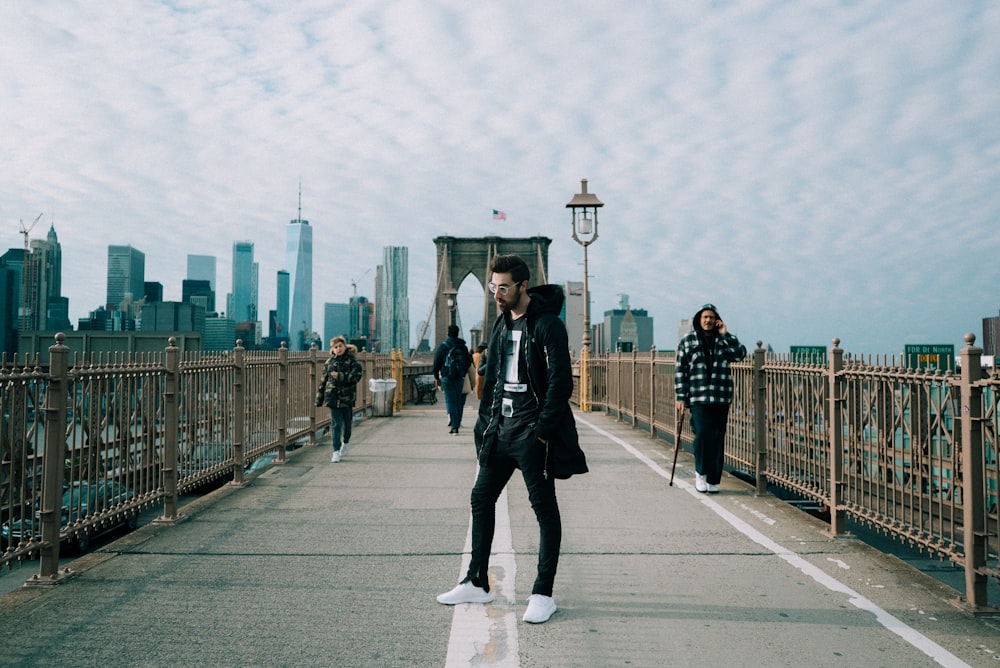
column 314, row 563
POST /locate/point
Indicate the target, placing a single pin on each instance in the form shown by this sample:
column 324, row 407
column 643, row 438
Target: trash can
column 383, row 391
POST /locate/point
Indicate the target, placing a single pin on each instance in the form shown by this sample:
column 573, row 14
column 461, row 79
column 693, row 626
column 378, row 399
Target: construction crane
column 354, row 282
column 26, row 230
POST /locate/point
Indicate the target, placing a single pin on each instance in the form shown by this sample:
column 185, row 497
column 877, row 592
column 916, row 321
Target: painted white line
column 487, row 634
column 890, row 622
column 839, row 563
column 759, row 515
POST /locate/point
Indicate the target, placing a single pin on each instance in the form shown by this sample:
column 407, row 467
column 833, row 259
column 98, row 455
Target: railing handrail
column 848, row 434
column 910, row 451
column 150, row 426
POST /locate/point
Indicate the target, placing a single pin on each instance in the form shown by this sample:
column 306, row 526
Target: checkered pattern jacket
column 694, row 382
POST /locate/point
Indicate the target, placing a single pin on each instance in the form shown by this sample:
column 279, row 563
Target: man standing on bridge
column 525, row 422
column 703, row 381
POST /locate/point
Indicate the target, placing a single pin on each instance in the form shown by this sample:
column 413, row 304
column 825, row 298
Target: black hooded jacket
column 545, row 351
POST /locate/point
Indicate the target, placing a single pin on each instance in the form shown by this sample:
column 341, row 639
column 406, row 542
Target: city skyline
column 816, row 170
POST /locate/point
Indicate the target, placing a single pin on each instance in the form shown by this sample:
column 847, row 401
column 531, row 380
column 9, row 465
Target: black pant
column 341, row 421
column 708, row 422
column 454, row 400
column 529, row 456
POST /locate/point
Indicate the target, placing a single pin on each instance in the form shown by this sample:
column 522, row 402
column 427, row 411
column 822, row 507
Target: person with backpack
column 451, row 362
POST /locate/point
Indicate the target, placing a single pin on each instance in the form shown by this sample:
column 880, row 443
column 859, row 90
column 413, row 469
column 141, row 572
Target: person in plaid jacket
column 704, row 382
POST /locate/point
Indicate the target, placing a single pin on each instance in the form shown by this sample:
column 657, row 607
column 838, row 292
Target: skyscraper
column 242, row 301
column 336, row 321
column 360, row 314
column 198, row 292
column 53, row 264
column 126, row 275
column 55, row 307
column 624, row 325
column 202, row 268
column 299, row 263
column 572, row 314
column 392, row 303
column 281, row 312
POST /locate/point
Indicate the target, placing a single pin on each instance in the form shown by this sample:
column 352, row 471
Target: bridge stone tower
column 459, row 257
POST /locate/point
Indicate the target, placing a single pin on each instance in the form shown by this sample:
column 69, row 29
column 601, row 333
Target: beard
column 509, row 301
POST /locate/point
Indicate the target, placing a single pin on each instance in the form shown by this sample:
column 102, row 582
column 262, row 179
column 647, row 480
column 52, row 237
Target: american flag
column 499, row 215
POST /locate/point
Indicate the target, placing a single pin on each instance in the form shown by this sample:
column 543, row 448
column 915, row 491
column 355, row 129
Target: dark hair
column 452, row 330
column 511, row 264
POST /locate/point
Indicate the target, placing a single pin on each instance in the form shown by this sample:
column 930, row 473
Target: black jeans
column 341, row 421
column 454, row 400
column 708, row 422
column 529, row 456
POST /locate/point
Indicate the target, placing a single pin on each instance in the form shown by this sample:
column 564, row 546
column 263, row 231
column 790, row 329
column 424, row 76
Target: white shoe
column 540, row 608
column 700, row 482
column 343, row 450
column 712, row 489
column 336, row 456
column 465, row 593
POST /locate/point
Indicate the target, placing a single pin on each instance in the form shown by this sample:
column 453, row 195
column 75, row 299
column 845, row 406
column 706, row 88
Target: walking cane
column 679, row 422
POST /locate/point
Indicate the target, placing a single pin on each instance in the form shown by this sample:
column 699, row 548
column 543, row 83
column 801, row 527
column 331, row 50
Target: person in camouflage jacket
column 338, row 390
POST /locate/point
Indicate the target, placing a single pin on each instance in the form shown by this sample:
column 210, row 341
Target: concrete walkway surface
column 313, row 563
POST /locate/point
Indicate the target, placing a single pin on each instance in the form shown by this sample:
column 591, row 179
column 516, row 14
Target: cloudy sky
column 816, row 169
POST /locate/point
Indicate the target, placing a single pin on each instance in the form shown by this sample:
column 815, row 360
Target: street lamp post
column 583, row 208
column 452, row 296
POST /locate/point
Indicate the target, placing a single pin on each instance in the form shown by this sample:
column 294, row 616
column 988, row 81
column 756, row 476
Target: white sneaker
column 465, row 593
column 712, row 489
column 700, row 482
column 540, row 608
column 343, row 450
column 336, row 456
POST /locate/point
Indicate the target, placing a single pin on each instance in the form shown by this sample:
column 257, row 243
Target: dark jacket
column 442, row 352
column 545, row 350
column 340, row 392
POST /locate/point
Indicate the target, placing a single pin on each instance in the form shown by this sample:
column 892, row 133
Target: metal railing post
column 836, row 434
column 619, row 403
column 652, row 392
column 760, row 417
column 974, row 539
column 397, row 372
column 53, row 467
column 635, row 394
column 239, row 411
column 314, row 384
column 168, row 470
column 283, row 402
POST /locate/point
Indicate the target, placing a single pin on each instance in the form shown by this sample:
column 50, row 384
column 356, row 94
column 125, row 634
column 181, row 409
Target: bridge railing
column 90, row 444
column 909, row 452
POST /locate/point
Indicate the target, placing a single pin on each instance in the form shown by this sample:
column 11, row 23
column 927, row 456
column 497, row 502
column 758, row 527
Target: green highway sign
column 929, row 356
column 809, row 354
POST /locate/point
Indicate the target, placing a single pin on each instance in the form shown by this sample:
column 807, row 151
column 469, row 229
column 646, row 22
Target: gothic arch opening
column 458, row 259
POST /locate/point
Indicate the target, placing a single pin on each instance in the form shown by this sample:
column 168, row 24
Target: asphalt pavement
column 313, row 563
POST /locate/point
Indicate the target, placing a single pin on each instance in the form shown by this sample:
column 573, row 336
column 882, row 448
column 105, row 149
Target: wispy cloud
column 815, row 169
